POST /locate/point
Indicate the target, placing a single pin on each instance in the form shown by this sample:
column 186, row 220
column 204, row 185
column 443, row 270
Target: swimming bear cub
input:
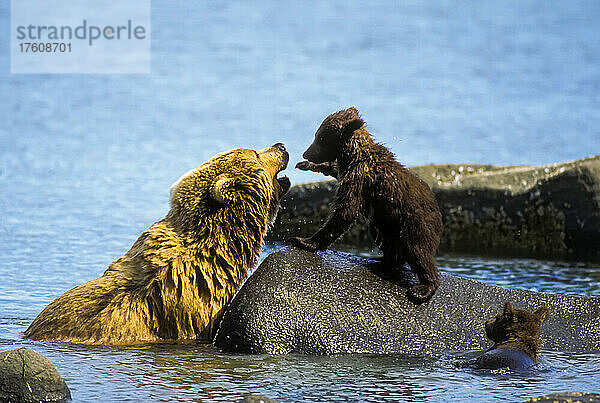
column 405, row 220
column 516, row 337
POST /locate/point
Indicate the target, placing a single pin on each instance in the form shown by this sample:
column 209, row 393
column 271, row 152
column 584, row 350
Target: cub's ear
column 353, row 124
column 351, row 121
column 224, row 189
column 542, row 313
column 352, row 110
column 508, row 308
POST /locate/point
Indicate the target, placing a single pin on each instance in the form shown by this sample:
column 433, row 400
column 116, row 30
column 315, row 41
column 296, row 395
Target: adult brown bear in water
column 175, row 280
column 405, row 219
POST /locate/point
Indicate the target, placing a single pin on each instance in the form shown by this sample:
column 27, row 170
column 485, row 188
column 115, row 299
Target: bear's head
column 335, row 130
column 516, row 324
column 226, row 204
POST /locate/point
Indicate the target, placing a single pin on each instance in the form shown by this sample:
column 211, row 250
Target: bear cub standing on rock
column 405, row 219
column 516, row 337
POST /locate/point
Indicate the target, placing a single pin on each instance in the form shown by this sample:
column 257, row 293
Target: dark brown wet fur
column 405, row 219
column 517, row 329
column 516, row 337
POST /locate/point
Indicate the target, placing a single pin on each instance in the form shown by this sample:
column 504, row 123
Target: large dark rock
column 547, row 211
column 27, row 376
column 330, row 302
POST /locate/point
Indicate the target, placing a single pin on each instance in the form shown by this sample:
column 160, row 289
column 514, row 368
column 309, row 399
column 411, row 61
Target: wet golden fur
column 177, row 277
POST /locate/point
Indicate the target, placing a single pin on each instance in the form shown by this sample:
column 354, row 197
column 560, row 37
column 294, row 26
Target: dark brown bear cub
column 404, row 217
column 516, row 337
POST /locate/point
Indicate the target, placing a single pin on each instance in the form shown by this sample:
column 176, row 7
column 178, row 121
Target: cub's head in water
column 516, row 337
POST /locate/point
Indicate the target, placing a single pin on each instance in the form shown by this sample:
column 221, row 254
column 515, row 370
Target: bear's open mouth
column 284, row 183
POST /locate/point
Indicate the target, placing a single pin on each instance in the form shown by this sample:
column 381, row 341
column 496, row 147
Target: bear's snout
column 279, row 146
column 311, row 154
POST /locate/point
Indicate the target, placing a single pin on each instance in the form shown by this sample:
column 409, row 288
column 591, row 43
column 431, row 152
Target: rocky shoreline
column 550, row 211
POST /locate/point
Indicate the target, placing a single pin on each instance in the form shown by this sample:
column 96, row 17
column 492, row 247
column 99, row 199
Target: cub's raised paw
column 305, row 166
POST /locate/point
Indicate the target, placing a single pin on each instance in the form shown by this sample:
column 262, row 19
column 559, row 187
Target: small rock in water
column 257, row 399
column 27, row 376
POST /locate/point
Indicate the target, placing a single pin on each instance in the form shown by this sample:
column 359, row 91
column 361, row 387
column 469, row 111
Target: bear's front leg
column 423, row 264
column 303, row 243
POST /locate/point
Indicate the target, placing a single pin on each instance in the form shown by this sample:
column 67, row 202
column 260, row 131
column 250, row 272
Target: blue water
column 86, row 162
column 201, row 372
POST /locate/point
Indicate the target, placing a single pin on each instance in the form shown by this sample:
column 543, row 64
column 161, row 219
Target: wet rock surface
column 331, row 302
column 27, row 376
column 546, row 211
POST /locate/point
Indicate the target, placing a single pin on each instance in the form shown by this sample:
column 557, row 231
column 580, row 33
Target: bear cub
column 404, row 217
column 516, row 337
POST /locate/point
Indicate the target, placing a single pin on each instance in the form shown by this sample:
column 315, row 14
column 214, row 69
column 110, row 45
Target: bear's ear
column 223, row 190
column 542, row 313
column 354, row 122
column 508, row 308
column 352, row 110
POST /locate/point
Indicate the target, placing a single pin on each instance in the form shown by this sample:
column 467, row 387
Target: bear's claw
column 421, row 293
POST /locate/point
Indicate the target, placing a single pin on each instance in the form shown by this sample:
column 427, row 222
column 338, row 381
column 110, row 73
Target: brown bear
column 405, row 219
column 516, row 337
column 177, row 277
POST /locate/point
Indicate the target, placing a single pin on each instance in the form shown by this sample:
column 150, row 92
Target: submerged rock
column 549, row 211
column 27, row 376
column 257, row 399
column 334, row 303
column 567, row 397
